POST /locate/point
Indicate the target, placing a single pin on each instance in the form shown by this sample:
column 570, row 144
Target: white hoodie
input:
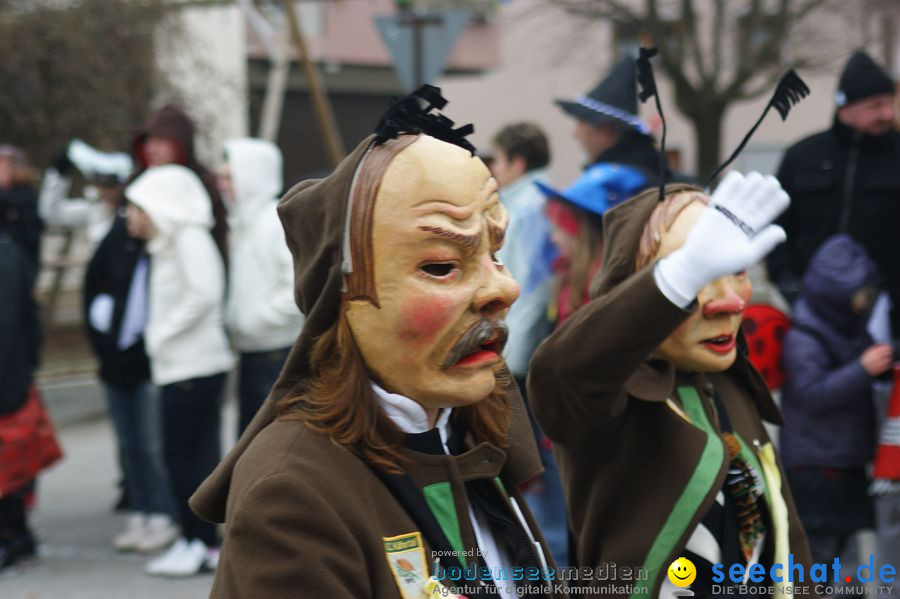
column 185, row 337
column 261, row 313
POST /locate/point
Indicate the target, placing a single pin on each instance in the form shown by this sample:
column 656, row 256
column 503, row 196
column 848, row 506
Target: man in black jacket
column 845, row 180
column 607, row 125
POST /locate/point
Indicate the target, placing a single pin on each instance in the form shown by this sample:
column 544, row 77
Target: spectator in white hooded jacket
column 185, row 341
column 261, row 315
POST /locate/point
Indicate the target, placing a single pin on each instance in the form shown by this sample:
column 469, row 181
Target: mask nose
column 498, row 292
column 724, row 300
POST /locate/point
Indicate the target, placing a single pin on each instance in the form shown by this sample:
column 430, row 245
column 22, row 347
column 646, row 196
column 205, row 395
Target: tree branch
column 602, row 9
column 718, row 33
column 804, row 10
column 768, row 85
column 269, row 36
column 746, row 57
column 690, row 36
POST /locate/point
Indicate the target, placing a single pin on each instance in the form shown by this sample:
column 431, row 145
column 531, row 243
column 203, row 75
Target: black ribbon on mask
column 412, row 115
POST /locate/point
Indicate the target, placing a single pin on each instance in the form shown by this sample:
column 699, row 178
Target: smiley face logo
column 682, row 572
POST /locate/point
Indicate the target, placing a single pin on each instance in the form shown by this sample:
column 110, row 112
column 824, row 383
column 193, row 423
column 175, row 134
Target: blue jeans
column 136, row 415
column 192, row 422
column 545, row 497
column 548, row 505
column 257, row 375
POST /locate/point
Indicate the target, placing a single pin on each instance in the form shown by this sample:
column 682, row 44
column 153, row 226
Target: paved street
column 75, row 524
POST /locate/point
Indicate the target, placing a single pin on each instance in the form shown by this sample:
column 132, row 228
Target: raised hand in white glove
column 734, row 232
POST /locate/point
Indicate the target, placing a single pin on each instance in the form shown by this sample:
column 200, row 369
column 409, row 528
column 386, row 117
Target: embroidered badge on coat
column 406, row 557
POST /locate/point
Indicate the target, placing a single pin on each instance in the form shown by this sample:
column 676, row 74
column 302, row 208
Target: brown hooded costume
column 305, row 516
column 638, row 443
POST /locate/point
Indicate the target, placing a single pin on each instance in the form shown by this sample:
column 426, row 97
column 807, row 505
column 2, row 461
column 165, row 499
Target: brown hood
column 622, row 228
column 171, row 122
column 313, row 214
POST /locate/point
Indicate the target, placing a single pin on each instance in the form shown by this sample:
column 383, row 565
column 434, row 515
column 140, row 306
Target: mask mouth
column 482, row 341
column 721, row 344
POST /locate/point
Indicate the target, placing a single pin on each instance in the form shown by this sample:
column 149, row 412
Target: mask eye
column 438, row 269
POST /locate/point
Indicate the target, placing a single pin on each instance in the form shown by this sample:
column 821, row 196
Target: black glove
column 62, row 164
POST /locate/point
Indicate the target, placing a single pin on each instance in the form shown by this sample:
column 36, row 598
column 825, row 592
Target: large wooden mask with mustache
column 427, row 317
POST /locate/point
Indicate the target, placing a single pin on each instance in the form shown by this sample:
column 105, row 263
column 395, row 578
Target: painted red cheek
column 424, row 317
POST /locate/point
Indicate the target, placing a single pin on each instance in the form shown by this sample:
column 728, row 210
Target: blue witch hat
column 600, row 187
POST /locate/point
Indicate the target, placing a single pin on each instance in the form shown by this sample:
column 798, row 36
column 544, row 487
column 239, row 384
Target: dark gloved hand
column 62, row 164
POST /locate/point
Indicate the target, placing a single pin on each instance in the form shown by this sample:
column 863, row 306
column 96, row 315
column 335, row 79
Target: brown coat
column 307, row 518
column 638, row 444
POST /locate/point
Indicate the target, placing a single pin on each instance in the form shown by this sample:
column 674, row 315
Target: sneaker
column 183, row 559
column 161, row 563
column 134, row 533
column 159, row 532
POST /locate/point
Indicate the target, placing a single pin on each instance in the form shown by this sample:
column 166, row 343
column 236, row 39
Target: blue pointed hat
column 600, row 187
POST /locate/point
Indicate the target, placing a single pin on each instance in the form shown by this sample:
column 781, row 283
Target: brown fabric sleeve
column 576, row 383
column 283, row 539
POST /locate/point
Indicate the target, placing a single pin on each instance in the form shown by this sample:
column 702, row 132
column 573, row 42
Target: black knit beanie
column 862, row 78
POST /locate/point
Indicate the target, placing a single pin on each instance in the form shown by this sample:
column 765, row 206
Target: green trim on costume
column 502, row 489
column 439, row 498
column 701, row 481
column 751, row 459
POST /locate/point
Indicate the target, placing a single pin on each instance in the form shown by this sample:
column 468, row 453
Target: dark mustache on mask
column 476, row 336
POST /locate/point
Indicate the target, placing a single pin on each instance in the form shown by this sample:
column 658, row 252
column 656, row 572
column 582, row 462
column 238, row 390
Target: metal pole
column 321, row 105
column 418, row 21
column 418, row 60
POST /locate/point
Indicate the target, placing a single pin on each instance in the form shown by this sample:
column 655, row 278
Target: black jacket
column 840, row 181
column 20, row 327
column 19, row 218
column 637, row 150
column 110, row 272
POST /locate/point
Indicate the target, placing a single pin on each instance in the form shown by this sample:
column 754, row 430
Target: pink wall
column 350, row 37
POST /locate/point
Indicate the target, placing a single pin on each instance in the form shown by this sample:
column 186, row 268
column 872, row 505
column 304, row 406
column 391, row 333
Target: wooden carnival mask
column 427, row 293
column 707, row 340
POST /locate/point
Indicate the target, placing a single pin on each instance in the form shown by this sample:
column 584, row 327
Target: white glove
column 94, row 163
column 734, row 232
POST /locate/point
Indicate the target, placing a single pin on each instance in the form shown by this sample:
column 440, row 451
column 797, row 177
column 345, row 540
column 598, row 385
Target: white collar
column 409, row 416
